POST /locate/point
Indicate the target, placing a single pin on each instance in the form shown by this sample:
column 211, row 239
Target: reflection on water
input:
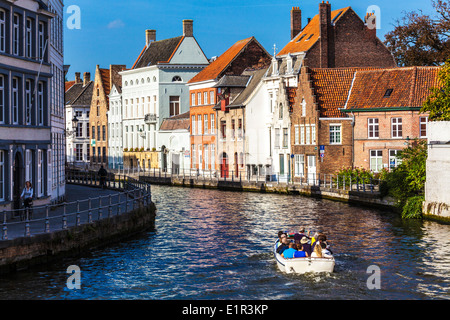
column 217, row 245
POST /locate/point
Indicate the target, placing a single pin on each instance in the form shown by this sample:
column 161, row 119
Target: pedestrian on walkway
column 102, row 174
column 27, row 198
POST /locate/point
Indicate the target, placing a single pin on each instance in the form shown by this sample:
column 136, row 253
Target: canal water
column 210, row 244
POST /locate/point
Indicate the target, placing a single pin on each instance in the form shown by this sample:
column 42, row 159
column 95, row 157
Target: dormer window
column 388, row 93
column 289, row 63
column 177, row 79
column 301, row 38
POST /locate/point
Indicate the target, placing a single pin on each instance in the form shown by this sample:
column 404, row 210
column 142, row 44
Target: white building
column 155, row 87
column 115, row 136
column 56, row 57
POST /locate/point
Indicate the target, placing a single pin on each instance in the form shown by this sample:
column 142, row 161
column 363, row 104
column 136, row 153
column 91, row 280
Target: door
column 312, row 169
column 17, row 180
column 281, row 164
column 236, row 165
column 175, row 163
column 224, row 166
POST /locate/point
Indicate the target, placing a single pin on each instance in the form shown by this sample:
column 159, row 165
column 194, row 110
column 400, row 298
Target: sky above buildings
column 113, row 31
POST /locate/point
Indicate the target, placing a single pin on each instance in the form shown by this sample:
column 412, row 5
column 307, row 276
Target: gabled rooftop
column 158, row 52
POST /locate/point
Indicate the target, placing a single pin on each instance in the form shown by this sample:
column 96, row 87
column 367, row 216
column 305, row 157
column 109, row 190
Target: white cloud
column 116, row 24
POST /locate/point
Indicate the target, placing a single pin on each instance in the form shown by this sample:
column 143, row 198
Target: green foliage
column 356, row 175
column 406, row 183
column 438, row 102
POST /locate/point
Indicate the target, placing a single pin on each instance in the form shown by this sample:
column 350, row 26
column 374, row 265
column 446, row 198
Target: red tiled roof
column 213, row 70
column 68, row 85
column 105, row 75
column 410, row 87
column 331, row 87
column 310, row 34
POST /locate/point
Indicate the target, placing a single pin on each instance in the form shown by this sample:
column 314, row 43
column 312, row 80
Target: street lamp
column 74, row 123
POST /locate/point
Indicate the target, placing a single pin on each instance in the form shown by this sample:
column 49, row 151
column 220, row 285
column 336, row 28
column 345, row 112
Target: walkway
column 39, row 224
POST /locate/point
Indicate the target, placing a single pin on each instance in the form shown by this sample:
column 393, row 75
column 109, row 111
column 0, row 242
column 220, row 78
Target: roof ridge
column 82, row 91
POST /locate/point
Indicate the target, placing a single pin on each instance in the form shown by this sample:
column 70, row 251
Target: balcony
column 150, row 118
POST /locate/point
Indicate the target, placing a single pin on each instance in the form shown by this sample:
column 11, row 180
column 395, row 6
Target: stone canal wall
column 365, row 196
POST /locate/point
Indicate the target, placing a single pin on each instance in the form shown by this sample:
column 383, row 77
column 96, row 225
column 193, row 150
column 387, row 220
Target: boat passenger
column 289, row 253
column 298, row 236
column 314, row 239
column 306, row 245
column 317, row 252
column 326, row 253
column 283, row 246
column 300, row 253
column 281, row 235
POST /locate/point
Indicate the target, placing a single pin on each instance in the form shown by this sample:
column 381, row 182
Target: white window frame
column 205, row 123
column 303, row 108
column 335, row 133
column 422, row 121
column 199, row 98
column 40, row 172
column 299, row 165
column 28, row 100
column 193, row 125
column 212, row 124
column 49, row 172
column 213, row 157
column 211, row 97
column 2, row 175
column 302, row 134
column 205, row 97
column 16, row 35
column 393, row 158
column 377, row 158
column 373, row 126
column 277, row 138
column 199, row 123
column 2, row 30
column 396, row 127
column 313, row 134
column 205, row 147
column 40, row 103
column 15, row 100
column 193, row 99
column 308, row 134
column 41, row 39
column 296, row 135
column 29, row 38
column 285, row 138
column 2, row 98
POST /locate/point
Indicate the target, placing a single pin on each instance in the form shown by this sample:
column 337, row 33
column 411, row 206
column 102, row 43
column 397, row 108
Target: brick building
column 98, row 118
column 205, row 121
column 385, row 106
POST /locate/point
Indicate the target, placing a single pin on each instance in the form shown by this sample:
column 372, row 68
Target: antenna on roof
column 274, row 49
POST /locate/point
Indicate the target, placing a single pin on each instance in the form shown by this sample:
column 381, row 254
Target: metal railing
column 322, row 180
column 133, row 194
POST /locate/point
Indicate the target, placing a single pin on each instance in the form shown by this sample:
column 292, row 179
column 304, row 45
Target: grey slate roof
column 232, row 81
column 158, row 51
column 256, row 76
column 79, row 95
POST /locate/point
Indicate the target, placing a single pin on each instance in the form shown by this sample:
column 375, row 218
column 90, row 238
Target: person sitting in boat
column 305, row 242
column 298, row 236
column 281, row 235
column 326, row 253
column 289, row 253
column 300, row 253
column 284, row 245
column 317, row 253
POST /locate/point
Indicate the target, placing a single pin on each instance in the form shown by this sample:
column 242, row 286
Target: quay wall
column 362, row 198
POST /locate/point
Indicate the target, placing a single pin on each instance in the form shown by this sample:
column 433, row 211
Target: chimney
column 371, row 23
column 87, row 78
column 325, row 33
column 150, row 36
column 77, row 77
column 188, row 28
column 296, row 21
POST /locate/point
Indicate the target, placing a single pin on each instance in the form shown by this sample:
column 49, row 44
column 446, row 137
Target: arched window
column 177, row 79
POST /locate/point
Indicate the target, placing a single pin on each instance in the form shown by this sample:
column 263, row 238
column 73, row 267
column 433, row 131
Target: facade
column 155, row 89
column 57, row 112
column 25, row 101
column 174, row 135
column 209, row 126
column 385, row 107
column 115, row 134
column 78, row 99
column 98, row 119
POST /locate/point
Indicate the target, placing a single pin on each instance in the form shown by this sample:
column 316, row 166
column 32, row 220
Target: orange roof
column 213, row 70
column 106, row 80
column 331, row 88
column 68, row 85
column 139, row 57
column 408, row 87
column 310, row 34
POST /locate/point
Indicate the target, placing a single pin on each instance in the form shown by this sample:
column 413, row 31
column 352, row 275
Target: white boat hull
column 303, row 265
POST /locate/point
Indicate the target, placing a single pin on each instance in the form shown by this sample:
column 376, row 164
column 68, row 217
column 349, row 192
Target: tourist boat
column 303, row 265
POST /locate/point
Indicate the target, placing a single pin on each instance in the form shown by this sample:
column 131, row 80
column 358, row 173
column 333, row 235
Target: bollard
column 64, row 226
column 99, row 208
column 90, row 211
column 47, row 221
column 78, row 213
column 5, row 227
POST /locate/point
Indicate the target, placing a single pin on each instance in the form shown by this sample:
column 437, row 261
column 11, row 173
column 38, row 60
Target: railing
column 48, row 218
column 322, row 180
column 150, row 118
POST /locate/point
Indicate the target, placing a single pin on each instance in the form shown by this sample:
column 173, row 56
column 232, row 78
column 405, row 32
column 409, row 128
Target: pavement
column 39, row 223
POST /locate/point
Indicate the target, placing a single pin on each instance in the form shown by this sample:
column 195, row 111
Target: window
column 41, row 103
column 28, row 91
column 308, row 134
column 177, row 79
column 206, row 156
column 29, row 39
column 388, row 93
column 211, row 97
column 212, row 124
column 213, row 157
column 2, row 33
column 205, row 123
column 277, row 137
column 41, row 39
column 281, row 164
column 99, row 154
column 240, row 130
column 271, row 102
column 199, row 98
column 93, row 132
column 313, row 134
column 280, row 111
column 335, row 134
column 104, row 133
column 94, row 159
column 223, row 129
column 78, row 152
column 88, row 158
column 29, row 166
column 15, row 101
column 373, row 128
column 41, row 173
column 299, row 165
column 2, row 175
column 98, row 133
column 205, row 97
column 423, row 121
column 193, row 125
column 394, row 161
column 296, row 135
column 285, row 137
column 303, row 108
column 302, row 134
column 79, row 131
column 396, row 127
column 174, row 105
column 233, row 129
column 199, row 121
column 192, row 99
column 193, row 156
column 104, row 155
column 2, row 98
column 376, row 160
column 16, row 34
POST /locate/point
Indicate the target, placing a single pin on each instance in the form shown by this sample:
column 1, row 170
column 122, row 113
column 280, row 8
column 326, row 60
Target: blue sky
column 113, row 31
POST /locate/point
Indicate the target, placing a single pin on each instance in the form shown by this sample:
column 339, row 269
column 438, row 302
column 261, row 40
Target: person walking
column 27, row 198
column 102, row 174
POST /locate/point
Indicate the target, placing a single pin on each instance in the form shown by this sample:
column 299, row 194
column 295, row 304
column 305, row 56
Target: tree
column 421, row 40
column 438, row 102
